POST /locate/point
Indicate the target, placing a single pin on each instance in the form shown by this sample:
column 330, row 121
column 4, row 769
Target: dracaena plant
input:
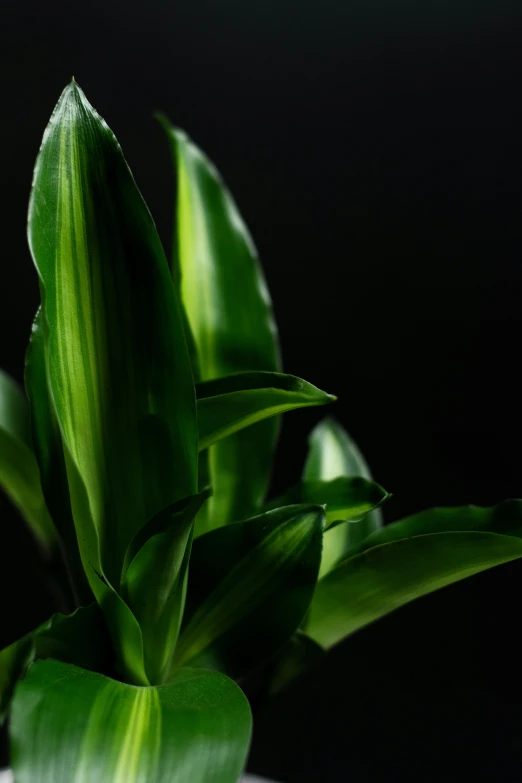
column 140, row 455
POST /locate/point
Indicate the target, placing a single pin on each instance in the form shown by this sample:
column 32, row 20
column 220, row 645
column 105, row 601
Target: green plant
column 142, row 445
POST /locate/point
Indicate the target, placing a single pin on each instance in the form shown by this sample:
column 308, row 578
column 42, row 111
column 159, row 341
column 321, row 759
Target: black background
column 374, row 149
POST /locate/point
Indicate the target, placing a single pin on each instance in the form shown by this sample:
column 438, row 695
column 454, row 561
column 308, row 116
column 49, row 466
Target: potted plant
column 140, row 456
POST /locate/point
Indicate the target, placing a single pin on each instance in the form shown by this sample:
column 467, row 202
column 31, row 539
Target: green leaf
column 250, row 585
column 217, row 271
column 19, row 474
column 384, row 577
column 333, row 454
column 155, row 581
column 229, row 404
column 118, row 365
column 346, row 499
column 48, row 449
column 70, row 724
column 505, row 519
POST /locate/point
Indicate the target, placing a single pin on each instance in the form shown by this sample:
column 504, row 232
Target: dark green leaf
column 19, row 474
column 228, row 308
column 229, row 404
column 155, row 581
column 80, row 638
column 14, row 660
column 250, row 585
column 505, row 518
column 346, row 499
column 119, row 369
column 70, row 724
column 332, row 454
column 48, row 449
column 380, row 579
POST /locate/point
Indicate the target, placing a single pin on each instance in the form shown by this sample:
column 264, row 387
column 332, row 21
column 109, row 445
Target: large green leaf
column 48, row 449
column 70, row 725
column 19, row 474
column 229, row 404
column 250, row 585
column 118, row 365
column 155, row 581
column 382, row 578
column 228, row 307
column 333, row 454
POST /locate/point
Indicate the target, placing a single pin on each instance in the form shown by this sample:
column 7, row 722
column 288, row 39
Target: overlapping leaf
column 228, row 308
column 250, row 585
column 333, row 454
column 19, row 474
column 155, row 581
column 69, row 724
column 346, row 499
column 442, row 547
column 237, row 401
column 117, row 361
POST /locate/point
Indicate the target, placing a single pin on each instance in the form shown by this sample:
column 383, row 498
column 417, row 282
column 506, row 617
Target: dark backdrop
column 375, row 151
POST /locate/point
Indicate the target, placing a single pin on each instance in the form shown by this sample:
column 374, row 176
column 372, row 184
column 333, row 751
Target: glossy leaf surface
column 155, row 581
column 250, row 585
column 382, row 578
column 19, row 474
column 119, row 368
column 228, row 307
column 332, row 454
column 237, row 401
column 70, row 725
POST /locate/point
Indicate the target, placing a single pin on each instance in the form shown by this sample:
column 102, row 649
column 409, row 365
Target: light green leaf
column 229, row 404
column 382, row 578
column 216, row 268
column 250, row 585
column 19, row 474
column 155, row 581
column 118, row 365
column 73, row 726
column 333, row 454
